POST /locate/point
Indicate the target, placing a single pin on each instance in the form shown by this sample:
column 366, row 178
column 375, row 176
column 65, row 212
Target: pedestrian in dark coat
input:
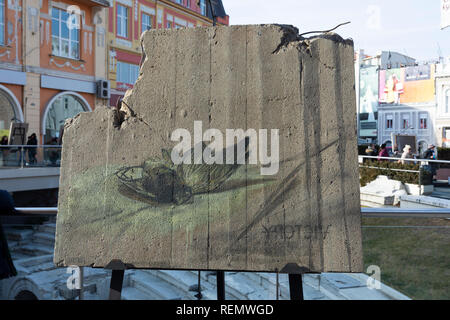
column 32, row 141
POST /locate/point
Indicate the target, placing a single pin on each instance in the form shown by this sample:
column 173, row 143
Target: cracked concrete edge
column 289, row 39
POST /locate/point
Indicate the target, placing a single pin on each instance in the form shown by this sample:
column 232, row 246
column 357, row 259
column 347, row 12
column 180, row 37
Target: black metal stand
column 296, row 286
column 199, row 288
column 115, row 288
column 220, row 285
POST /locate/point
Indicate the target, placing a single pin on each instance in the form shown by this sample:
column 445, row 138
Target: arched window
column 62, row 107
column 9, row 110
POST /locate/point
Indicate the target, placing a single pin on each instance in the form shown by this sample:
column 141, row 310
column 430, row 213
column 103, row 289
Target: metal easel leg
column 199, row 288
column 220, row 285
column 115, row 288
column 296, row 286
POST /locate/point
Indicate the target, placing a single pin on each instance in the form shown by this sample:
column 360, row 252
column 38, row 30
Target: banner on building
column 407, row 85
column 445, row 13
column 391, row 85
column 368, row 102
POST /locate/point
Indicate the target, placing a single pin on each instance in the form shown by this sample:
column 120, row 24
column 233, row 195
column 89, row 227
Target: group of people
column 31, row 150
column 382, row 154
column 430, row 154
column 371, row 150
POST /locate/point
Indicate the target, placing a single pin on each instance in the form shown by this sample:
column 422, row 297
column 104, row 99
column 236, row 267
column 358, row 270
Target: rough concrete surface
column 122, row 199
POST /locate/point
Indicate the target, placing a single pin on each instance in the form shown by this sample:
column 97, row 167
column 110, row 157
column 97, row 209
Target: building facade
column 57, row 56
column 397, row 96
column 407, row 105
column 128, row 19
column 442, row 130
column 367, row 70
column 52, row 54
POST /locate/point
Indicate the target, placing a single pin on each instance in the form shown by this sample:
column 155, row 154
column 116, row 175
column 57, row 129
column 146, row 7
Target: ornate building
column 129, row 18
column 56, row 56
column 52, row 54
column 442, row 129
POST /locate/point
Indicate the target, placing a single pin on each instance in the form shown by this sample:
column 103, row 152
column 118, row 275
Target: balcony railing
column 14, row 156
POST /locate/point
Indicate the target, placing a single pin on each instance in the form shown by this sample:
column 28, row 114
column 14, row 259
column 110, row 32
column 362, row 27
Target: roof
column 218, row 9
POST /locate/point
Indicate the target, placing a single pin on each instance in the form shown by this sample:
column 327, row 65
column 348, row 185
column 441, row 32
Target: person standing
column 54, row 152
column 383, row 153
column 406, row 154
column 32, row 141
column 3, row 151
column 371, row 150
column 430, row 154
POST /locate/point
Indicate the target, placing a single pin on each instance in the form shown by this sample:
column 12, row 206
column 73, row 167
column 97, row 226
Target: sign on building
column 407, row 85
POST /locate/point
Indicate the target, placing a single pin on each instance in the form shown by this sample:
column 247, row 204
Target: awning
column 103, row 3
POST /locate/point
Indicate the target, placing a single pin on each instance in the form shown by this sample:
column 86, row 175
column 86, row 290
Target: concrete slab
column 294, row 205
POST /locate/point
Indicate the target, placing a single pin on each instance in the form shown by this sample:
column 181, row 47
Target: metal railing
column 415, row 160
column 405, row 213
column 14, row 156
column 393, row 212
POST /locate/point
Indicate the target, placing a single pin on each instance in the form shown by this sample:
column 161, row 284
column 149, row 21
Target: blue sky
column 411, row 27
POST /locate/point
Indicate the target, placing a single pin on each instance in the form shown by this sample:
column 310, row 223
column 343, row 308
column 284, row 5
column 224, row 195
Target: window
column 147, row 22
column 423, row 121
column 389, row 122
column 405, row 121
column 2, row 22
column 188, row 3
column 127, row 72
column 8, row 111
column 64, row 107
column 203, row 7
column 179, row 1
column 122, row 21
column 65, row 40
column 169, row 24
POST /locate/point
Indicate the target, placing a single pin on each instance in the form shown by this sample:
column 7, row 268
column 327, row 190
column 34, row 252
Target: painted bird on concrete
column 161, row 181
